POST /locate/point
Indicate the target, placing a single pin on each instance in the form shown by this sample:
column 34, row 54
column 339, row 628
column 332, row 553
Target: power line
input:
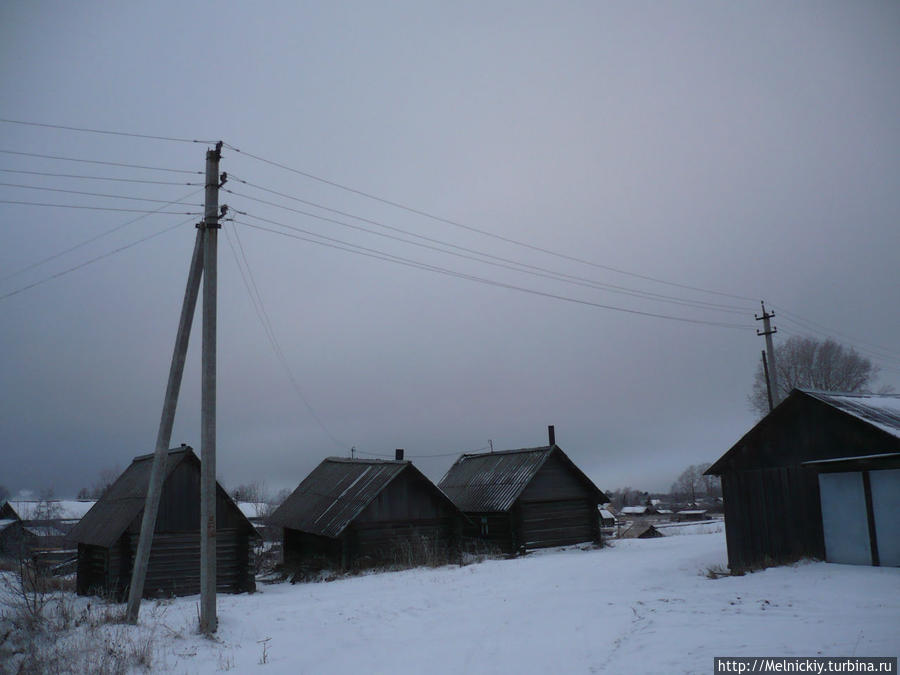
column 263, row 316
column 809, row 324
column 93, row 260
column 440, row 454
column 486, row 233
column 94, row 238
column 90, row 194
column 529, row 269
column 880, row 360
column 106, row 178
column 99, row 208
column 381, row 255
column 97, row 161
column 104, row 131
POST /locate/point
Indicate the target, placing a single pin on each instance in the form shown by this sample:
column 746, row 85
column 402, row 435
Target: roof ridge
column 540, row 448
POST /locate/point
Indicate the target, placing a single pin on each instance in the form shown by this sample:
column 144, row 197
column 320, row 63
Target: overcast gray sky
column 748, row 148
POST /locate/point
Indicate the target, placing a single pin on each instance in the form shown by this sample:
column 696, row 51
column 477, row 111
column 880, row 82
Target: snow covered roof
column 634, row 510
column 606, row 515
column 692, row 512
column 492, row 481
column 254, row 509
column 57, row 509
column 879, row 410
column 6, row 522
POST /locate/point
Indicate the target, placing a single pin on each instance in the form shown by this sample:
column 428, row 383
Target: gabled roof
column 879, row 411
column 124, row 500
column 492, row 482
column 56, row 509
column 337, row 491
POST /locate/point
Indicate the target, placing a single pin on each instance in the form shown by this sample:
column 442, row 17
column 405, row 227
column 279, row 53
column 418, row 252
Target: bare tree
column 104, row 481
column 692, row 484
column 4, row 493
column 808, row 363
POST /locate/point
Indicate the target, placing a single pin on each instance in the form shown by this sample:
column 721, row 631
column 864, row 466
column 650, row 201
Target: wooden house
column 525, row 499
column 108, row 534
column 819, row 476
column 642, row 530
column 350, row 513
column 16, row 541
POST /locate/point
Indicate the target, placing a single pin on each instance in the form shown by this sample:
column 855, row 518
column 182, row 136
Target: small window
column 484, row 525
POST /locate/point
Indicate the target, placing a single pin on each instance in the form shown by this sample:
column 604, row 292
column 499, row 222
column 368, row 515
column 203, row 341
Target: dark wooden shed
column 108, row 534
column 776, row 499
column 359, row 512
column 525, row 499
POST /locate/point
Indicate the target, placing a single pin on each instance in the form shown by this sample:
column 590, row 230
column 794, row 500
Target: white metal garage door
column 886, row 506
column 844, row 520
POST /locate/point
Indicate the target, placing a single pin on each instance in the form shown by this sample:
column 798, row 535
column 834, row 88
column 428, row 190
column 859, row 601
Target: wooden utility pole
column 203, row 266
column 768, row 383
column 208, row 620
column 164, row 435
column 768, row 331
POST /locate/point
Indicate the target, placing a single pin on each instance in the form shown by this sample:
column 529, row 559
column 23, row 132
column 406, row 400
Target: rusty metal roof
column 335, row 493
column 492, row 481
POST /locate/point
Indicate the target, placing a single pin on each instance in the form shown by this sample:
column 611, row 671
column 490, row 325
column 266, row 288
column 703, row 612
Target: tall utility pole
column 208, row 620
column 768, row 331
column 203, row 266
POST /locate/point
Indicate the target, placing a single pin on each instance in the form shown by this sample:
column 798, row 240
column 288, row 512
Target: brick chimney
column 551, row 432
column 398, row 454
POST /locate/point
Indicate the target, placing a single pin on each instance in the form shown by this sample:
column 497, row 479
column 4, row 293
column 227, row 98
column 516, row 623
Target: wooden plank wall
column 771, row 516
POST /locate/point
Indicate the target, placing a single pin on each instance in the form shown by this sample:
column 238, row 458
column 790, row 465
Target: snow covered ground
column 642, row 606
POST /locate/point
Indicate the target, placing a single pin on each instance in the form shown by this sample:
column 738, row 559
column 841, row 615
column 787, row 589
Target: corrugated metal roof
column 334, row 493
column 124, row 501
column 492, row 481
column 879, row 410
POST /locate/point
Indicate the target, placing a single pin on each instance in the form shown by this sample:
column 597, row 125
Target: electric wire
column 90, row 194
column 93, row 260
column 98, row 161
column 381, row 255
column 809, row 324
column 881, row 364
column 411, row 456
column 481, row 231
column 99, row 208
column 105, row 178
column 263, row 316
column 94, row 238
column 104, row 131
column 528, row 268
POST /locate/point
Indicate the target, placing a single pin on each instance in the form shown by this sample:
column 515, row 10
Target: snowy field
column 642, row 606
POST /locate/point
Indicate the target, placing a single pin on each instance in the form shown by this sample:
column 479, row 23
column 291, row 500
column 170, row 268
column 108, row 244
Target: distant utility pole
column 203, row 263
column 768, row 331
column 208, row 620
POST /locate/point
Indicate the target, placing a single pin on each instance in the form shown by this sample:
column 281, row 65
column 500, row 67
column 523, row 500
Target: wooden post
column 164, row 435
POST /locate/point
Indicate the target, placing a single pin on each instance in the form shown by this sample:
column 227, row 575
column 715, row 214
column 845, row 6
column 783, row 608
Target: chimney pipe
column 398, row 454
column 552, row 433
